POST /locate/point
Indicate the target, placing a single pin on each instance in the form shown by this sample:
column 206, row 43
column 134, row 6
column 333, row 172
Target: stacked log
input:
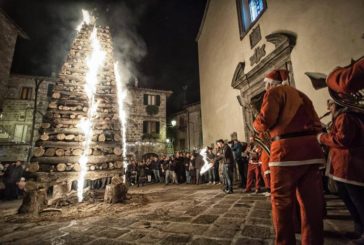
column 61, row 141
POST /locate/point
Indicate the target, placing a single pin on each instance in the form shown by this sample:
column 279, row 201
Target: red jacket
column 287, row 110
column 347, row 79
column 346, row 142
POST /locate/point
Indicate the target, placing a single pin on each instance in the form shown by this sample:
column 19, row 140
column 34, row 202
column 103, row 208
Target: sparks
column 121, row 95
column 94, row 62
column 206, row 165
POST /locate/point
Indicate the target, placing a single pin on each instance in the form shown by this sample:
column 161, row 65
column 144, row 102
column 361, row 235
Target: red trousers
column 253, row 173
column 303, row 182
column 266, row 175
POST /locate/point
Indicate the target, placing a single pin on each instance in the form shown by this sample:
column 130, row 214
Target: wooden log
column 33, row 167
column 52, row 105
column 33, row 201
column 76, row 167
column 117, row 137
column 38, row 151
column 118, row 151
column 56, row 95
column 61, row 167
column 72, row 116
column 118, row 164
column 77, row 152
column 116, row 191
column 60, row 152
column 111, row 165
column 67, row 152
column 61, row 136
column 104, row 165
column 70, row 137
column 44, row 137
column 101, row 138
column 50, row 152
column 45, row 125
column 92, row 167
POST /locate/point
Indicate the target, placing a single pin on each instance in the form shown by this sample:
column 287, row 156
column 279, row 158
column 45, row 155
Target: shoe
column 214, row 183
column 267, row 194
column 257, row 191
column 229, row 192
column 246, row 191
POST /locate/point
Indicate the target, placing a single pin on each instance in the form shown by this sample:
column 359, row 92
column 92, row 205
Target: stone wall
column 8, row 35
column 137, row 114
column 326, row 37
column 19, row 113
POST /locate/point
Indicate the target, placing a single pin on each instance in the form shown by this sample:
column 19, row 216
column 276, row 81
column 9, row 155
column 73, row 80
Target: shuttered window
column 151, row 127
column 152, row 99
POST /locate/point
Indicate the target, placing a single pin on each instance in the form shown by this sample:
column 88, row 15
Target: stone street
column 173, row 214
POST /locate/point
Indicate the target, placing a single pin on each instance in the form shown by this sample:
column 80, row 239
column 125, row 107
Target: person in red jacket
column 253, row 174
column 346, row 143
column 292, row 122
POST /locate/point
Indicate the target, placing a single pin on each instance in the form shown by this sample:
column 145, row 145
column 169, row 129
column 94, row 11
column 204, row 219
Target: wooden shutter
column 145, row 99
column 157, row 127
column 145, row 127
column 158, row 100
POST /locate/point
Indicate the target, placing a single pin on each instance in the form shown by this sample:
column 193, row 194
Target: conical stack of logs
column 59, row 147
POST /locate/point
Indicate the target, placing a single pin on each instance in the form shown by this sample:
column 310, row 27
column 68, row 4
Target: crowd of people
column 226, row 162
column 290, row 172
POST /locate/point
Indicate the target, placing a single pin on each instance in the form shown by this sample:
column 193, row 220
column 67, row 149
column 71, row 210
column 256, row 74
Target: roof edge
column 203, row 21
column 20, row 31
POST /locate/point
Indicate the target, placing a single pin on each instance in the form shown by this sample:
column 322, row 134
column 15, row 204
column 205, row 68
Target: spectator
column 12, row 176
column 211, row 159
column 238, row 149
column 155, row 165
column 228, row 160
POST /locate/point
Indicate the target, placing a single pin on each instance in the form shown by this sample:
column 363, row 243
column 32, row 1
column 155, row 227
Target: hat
column 277, row 77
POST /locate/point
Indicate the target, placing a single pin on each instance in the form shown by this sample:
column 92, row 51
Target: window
column 20, row 133
column 249, row 12
column 26, row 93
column 152, row 99
column 50, row 90
column 151, row 127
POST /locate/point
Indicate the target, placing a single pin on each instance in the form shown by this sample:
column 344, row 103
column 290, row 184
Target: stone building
column 16, row 122
column 9, row 33
column 146, row 129
column 188, row 133
column 240, row 41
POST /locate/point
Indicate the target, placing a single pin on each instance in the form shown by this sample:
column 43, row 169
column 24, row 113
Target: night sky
column 154, row 38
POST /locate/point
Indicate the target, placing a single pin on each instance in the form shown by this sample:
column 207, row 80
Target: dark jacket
column 227, row 155
column 198, row 161
column 13, row 174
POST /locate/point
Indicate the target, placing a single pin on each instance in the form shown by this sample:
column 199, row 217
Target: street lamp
column 173, row 123
column 167, row 141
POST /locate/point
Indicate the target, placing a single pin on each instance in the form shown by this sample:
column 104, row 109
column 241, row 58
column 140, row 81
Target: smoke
column 52, row 29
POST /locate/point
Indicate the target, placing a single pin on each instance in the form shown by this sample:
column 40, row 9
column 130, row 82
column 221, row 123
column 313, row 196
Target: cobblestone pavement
column 179, row 214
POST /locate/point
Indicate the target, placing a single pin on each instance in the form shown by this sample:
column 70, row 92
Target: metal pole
column 31, row 143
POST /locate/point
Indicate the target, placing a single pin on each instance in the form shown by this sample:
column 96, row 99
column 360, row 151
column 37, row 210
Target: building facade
column 16, row 120
column 188, row 133
column 147, row 123
column 9, row 33
column 240, row 41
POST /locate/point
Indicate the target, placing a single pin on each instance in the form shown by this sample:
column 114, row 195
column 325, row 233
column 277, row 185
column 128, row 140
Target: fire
column 94, row 61
column 121, row 93
column 87, row 19
column 206, row 165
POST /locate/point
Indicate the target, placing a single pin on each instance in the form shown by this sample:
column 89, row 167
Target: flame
column 121, row 94
column 94, row 62
column 206, row 165
column 87, row 19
